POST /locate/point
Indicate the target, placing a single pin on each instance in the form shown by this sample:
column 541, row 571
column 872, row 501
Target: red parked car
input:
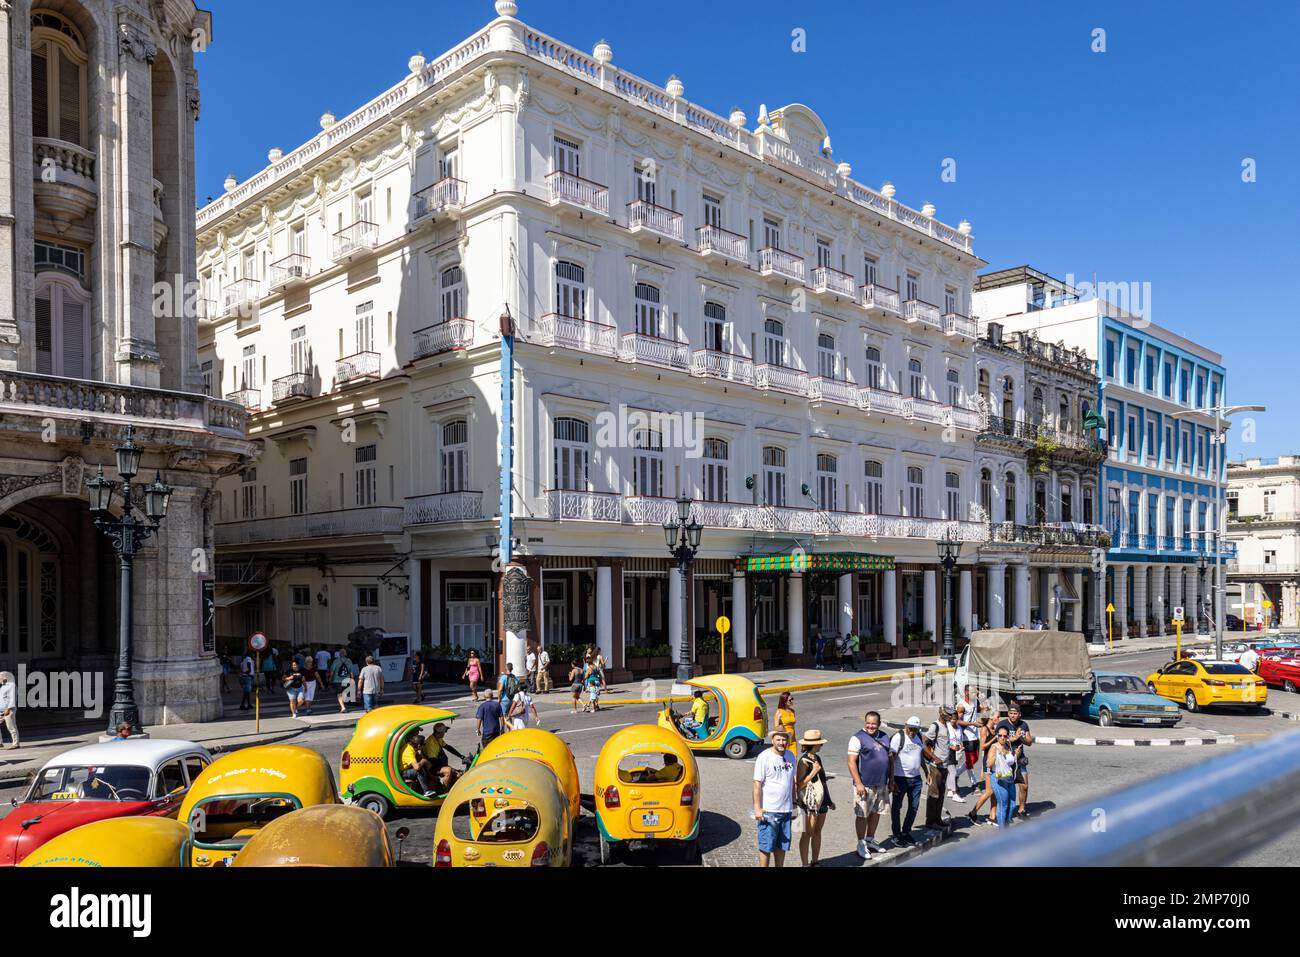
column 1280, row 668
column 96, row 782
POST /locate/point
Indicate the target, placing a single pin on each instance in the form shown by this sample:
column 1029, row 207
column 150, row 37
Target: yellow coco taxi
column 508, row 812
column 323, row 835
column 737, row 717
column 538, row 745
column 117, row 842
column 1199, row 684
column 647, row 790
column 241, row 792
column 373, row 765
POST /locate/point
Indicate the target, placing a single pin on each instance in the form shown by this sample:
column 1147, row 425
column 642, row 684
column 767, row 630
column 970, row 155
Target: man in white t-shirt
column 322, row 661
column 968, row 713
column 1250, row 659
column 910, row 752
column 530, row 670
column 544, row 671
column 774, row 800
column 519, row 707
column 371, row 682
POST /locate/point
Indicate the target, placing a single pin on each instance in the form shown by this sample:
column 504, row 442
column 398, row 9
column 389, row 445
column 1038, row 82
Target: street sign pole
column 1110, row 625
column 258, row 643
column 723, row 625
column 1178, row 646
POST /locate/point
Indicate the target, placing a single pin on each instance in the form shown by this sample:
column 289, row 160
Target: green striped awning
column 827, row 562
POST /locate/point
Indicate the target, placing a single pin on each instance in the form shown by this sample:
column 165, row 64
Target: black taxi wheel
column 608, row 850
column 375, row 802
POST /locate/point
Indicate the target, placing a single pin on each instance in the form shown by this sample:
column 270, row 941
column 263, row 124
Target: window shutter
column 73, row 326
column 44, row 335
column 40, row 94
column 69, row 100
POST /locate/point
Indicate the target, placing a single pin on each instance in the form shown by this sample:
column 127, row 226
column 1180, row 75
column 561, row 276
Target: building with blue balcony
column 1157, row 483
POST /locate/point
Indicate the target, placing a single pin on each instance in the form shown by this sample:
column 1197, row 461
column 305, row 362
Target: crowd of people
column 890, row 773
column 302, row 673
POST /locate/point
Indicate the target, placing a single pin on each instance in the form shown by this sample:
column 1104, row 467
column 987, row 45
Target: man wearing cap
column 910, row 753
column 939, row 737
column 774, row 800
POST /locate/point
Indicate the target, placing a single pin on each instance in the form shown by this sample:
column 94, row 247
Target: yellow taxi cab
column 647, row 790
column 241, row 792
column 537, row 744
column 507, row 812
column 1200, row 684
column 323, row 835
column 741, row 721
column 372, row 769
column 115, row 842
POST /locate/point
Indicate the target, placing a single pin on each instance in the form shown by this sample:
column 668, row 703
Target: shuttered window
column 40, row 94
column 58, row 80
column 69, row 100
column 62, row 345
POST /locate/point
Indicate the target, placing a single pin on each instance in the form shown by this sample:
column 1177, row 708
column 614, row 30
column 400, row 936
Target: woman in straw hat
column 812, row 796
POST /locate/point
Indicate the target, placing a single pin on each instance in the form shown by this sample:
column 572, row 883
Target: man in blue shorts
column 774, row 800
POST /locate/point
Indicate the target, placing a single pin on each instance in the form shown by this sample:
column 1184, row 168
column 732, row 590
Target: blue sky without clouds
column 1126, row 164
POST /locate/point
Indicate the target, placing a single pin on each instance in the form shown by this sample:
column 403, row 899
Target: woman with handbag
column 811, row 796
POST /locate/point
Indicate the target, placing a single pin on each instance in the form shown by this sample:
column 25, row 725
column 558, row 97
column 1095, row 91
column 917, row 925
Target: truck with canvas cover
column 1043, row 670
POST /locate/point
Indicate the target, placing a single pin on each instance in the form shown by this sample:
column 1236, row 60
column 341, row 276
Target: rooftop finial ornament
column 738, row 118
column 675, row 88
column 762, row 116
column 928, row 210
column 887, row 190
column 230, row 182
column 275, row 154
column 326, row 120
column 964, row 227
column 603, row 52
column 844, row 170
column 506, row 8
column 826, row 147
column 416, row 63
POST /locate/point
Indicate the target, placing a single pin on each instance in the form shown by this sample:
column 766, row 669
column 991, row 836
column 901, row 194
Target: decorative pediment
column 305, row 434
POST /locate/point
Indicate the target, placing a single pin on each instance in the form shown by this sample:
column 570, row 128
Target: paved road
column 1060, row 775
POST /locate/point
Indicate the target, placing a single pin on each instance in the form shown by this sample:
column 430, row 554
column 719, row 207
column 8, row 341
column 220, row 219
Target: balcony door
column 62, row 339
column 467, row 614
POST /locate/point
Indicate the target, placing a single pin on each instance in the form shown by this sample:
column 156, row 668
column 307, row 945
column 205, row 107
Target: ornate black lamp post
column 127, row 534
column 1202, row 595
column 683, row 539
column 949, row 550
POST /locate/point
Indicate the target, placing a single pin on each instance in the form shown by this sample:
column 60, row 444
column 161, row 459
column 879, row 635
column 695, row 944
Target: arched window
column 1037, row 410
column 1009, row 497
column 570, row 290
column 717, row 330
column 572, row 454
column 1063, row 420
column 452, row 285
column 455, row 456
column 986, row 493
column 828, row 360
column 1089, row 514
column 59, row 65
column 1067, row 503
column 952, row 486
column 1008, row 399
column 916, row 379
column 1085, row 408
column 62, row 334
column 984, row 387
column 954, row 387
column 773, row 342
column 648, row 463
column 649, row 314
column 875, row 376
column 827, row 482
column 773, row 476
column 29, row 589
column 715, row 473
column 1040, row 502
column 915, row 491
column 874, row 492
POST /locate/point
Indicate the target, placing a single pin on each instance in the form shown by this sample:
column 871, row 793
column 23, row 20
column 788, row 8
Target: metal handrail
column 1205, row 814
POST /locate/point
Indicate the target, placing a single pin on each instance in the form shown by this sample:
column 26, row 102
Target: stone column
column 9, row 338
column 846, row 604
column 996, row 578
column 794, row 613
column 1021, row 573
column 1159, row 603
column 1192, row 603
column 1120, row 601
column 604, row 613
column 1175, row 597
column 929, row 618
column 740, row 616
column 889, row 605
column 675, row 591
column 415, row 603
column 1141, row 599
column 1080, row 606
column 1050, row 608
column 964, row 600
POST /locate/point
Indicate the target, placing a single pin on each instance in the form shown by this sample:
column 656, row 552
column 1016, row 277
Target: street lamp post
column 949, row 550
column 127, row 534
column 1201, row 564
column 683, row 539
column 1220, row 412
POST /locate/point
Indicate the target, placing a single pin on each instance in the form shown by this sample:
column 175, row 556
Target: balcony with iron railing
column 655, row 351
column 832, row 282
column 883, row 401
column 777, row 262
column 356, row 368
column 361, row 237
column 569, row 332
column 830, row 389
column 443, row 337
column 881, row 299
column 295, row 385
column 1064, row 534
column 1267, row 570
column 250, row 399
column 240, row 296
column 344, row 523
column 571, row 190
column 446, row 194
column 583, row 506
column 716, row 241
column 289, row 271
column 955, row 324
column 659, row 220
column 918, row 310
column 730, row 367
column 775, row 378
column 462, row 506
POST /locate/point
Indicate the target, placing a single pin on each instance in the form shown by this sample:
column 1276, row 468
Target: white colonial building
column 1264, row 525
column 697, row 306
column 96, row 252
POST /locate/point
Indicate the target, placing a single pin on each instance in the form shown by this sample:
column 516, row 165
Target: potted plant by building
column 661, row 659
column 925, row 643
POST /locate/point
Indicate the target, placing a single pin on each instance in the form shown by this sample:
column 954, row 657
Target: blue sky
column 1126, row 164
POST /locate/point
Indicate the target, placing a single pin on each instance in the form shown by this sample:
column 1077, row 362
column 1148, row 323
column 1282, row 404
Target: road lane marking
column 600, row 727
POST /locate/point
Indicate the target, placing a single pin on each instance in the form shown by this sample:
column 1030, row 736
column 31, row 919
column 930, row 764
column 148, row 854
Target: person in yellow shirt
column 415, row 767
column 435, row 750
column 785, row 717
column 698, row 723
column 670, row 772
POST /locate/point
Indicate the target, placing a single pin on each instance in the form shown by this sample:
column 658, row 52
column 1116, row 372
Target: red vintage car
column 1280, row 668
column 96, row 782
